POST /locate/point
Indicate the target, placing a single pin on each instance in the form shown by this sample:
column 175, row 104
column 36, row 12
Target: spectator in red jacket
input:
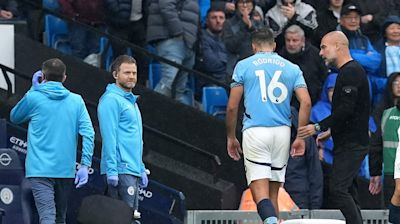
column 83, row 42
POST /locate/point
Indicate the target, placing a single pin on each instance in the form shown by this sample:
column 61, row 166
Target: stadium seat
column 154, row 69
column 129, row 52
column 56, row 34
column 192, row 83
column 214, row 101
column 106, row 52
column 154, row 74
column 51, row 4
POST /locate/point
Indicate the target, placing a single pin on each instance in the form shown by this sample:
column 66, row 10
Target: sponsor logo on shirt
column 393, row 117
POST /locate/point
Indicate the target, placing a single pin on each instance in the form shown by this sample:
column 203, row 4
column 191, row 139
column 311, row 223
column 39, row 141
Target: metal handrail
column 6, row 69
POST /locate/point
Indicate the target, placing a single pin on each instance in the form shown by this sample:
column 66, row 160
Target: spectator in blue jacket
column 361, row 48
column 122, row 135
column 320, row 111
column 56, row 117
column 303, row 179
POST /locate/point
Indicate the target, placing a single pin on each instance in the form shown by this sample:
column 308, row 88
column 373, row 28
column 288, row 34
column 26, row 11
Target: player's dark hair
column 115, row 66
column 262, row 36
column 54, row 70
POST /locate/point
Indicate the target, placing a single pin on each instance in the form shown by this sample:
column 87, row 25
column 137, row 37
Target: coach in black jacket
column 348, row 124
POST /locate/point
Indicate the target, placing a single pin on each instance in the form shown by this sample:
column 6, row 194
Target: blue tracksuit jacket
column 121, row 130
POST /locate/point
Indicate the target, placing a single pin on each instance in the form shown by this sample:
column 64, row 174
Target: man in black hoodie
column 306, row 56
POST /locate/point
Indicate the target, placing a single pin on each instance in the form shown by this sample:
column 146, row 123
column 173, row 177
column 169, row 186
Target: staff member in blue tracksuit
column 121, row 131
column 56, row 117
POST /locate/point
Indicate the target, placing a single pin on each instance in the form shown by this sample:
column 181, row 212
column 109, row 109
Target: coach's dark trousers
column 347, row 160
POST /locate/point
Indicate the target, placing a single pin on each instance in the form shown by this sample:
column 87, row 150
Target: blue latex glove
column 112, row 180
column 144, row 180
column 82, row 176
column 37, row 78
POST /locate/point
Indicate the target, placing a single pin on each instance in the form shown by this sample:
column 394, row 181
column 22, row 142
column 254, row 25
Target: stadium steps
column 186, row 124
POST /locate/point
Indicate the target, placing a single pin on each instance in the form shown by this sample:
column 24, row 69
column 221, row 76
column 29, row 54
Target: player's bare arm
column 233, row 145
column 298, row 146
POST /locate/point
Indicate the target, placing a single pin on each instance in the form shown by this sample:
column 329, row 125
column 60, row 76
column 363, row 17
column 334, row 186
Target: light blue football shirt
column 268, row 81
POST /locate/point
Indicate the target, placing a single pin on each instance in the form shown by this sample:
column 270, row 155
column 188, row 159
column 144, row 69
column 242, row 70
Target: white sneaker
column 136, row 214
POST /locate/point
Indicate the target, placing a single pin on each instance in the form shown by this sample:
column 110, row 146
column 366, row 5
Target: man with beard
column 348, row 124
column 122, row 135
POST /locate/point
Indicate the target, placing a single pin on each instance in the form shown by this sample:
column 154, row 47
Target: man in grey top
column 172, row 27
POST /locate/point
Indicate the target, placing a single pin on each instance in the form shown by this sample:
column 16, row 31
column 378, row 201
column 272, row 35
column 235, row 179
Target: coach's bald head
column 337, row 37
column 335, row 49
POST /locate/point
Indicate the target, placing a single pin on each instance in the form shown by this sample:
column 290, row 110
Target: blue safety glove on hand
column 112, row 180
column 37, row 78
column 144, row 180
column 82, row 176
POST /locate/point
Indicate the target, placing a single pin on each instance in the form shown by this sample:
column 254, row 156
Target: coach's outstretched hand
column 233, row 147
column 306, row 131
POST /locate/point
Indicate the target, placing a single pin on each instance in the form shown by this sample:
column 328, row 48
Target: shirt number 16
column 274, row 84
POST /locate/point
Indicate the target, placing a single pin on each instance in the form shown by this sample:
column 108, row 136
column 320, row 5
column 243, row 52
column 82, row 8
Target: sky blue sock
column 271, row 220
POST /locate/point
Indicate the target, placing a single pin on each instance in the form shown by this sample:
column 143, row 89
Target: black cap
column 390, row 20
column 349, row 8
